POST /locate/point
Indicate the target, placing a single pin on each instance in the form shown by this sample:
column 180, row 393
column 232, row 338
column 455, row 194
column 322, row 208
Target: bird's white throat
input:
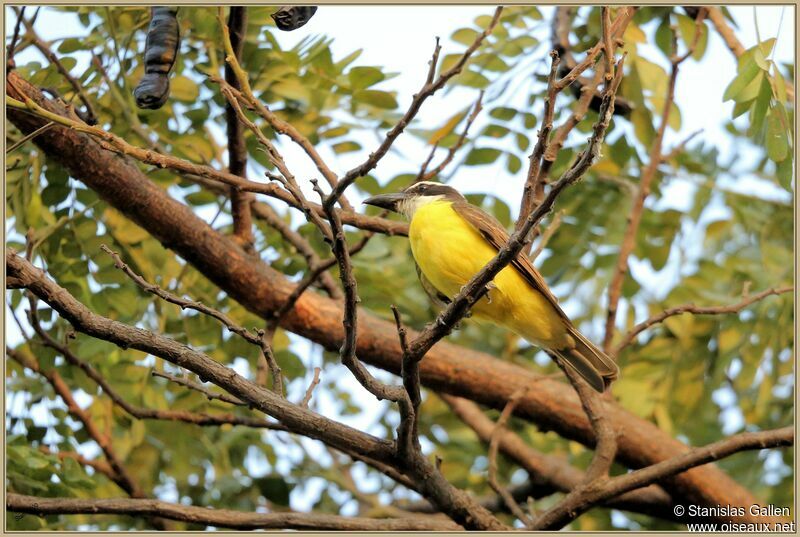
column 411, row 205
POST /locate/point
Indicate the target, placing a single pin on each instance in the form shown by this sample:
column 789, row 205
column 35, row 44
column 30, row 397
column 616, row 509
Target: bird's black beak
column 386, row 201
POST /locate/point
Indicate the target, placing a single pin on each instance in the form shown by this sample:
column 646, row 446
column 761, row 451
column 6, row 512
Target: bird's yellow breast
column 449, row 252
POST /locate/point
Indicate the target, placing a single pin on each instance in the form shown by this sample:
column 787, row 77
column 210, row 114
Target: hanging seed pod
column 289, row 18
column 160, row 53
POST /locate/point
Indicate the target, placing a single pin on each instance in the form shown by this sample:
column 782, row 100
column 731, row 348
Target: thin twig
column 678, row 149
column 630, row 337
column 494, row 445
column 251, row 337
column 416, row 103
column 245, row 93
column 91, row 115
column 608, row 48
column 310, row 389
column 637, row 208
column 30, row 136
column 14, row 38
column 563, row 513
column 547, row 235
column 201, row 419
column 286, row 178
column 98, row 465
column 347, row 352
column 311, row 276
column 605, row 448
column 199, row 388
column 549, row 473
column 425, row 175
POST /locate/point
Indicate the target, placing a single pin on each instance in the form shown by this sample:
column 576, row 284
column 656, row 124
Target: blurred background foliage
column 698, row 377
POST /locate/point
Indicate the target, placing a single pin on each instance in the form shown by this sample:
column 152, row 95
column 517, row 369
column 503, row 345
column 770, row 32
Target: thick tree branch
column 237, row 150
column 223, row 518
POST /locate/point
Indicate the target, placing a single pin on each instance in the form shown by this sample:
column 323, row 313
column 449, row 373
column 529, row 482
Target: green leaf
column 652, row 76
column 274, row 489
column 447, row 128
column 513, row 163
column 780, row 85
column 503, row 113
column 784, row 173
column 760, row 60
column 70, row 45
column 643, row 125
column 496, row 131
column 776, row 138
column 202, row 197
column 759, row 109
column 481, row 156
column 183, row 89
column 376, row 98
column 750, row 91
column 663, row 37
column 291, row 89
column 465, row 36
column 746, row 75
column 364, row 77
column 688, row 28
column 472, row 79
column 345, row 147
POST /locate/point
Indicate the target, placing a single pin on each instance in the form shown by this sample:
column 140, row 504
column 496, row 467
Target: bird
column 452, row 240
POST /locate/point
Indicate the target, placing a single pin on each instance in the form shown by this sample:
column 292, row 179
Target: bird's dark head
column 414, row 197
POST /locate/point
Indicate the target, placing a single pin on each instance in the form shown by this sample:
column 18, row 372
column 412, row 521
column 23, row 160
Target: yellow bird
column 452, row 240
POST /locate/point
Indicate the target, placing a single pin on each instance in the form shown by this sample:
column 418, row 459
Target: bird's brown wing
column 496, row 235
column 582, row 355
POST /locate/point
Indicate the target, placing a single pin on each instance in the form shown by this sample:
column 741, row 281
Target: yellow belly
column 449, row 252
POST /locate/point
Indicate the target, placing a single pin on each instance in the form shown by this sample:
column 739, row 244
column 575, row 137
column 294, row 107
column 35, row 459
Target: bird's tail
column 589, row 362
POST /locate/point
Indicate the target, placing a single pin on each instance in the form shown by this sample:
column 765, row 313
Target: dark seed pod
column 160, row 53
column 289, row 18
